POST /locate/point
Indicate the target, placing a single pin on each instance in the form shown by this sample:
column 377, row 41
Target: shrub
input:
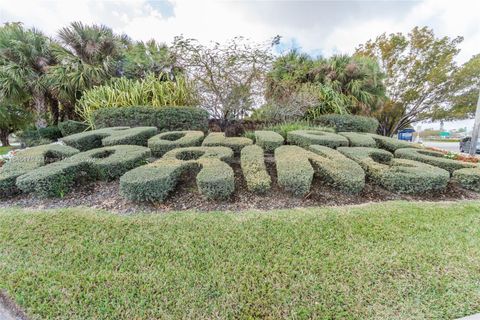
column 218, row 139
column 268, row 140
column 110, row 136
column 51, row 133
column 295, row 172
column 28, row 160
column 392, row 144
column 305, row 138
column 468, row 178
column 359, row 139
column 164, row 142
column 165, row 118
column 349, row 123
column 70, row 127
column 56, row 179
column 154, row 181
column 397, row 175
column 284, row 128
column 254, row 169
column 433, row 158
column 37, row 137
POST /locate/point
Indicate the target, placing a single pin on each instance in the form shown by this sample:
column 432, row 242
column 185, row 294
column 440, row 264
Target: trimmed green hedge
column 397, row 175
column 434, row 158
column 218, row 139
column 164, row 142
column 305, row 138
column 254, row 169
column 295, row 172
column 268, row 140
column 468, row 178
column 359, row 139
column 110, row 136
column 70, row 127
column 163, row 118
column 392, row 144
column 155, row 181
column 108, row 163
column 348, row 122
column 28, row 160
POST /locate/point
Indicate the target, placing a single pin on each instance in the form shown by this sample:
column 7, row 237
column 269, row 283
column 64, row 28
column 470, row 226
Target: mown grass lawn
column 395, row 260
column 5, row 150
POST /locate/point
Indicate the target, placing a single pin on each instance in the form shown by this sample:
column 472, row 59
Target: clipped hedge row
column 433, row 158
column 295, row 172
column 28, row 160
column 392, row 144
column 70, row 127
column 109, row 137
column 268, row 140
column 56, row 179
column 397, row 175
column 164, row 142
column 254, row 169
column 348, row 122
column 359, row 139
column 305, row 138
column 155, row 181
column 218, row 139
column 469, row 178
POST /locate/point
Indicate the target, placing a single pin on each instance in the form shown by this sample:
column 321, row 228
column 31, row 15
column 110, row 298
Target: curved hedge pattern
column 391, row 144
column 359, row 139
column 268, row 140
column 164, row 142
column 349, row 122
column 433, row 158
column 305, row 138
column 469, row 178
column 218, row 139
column 254, row 169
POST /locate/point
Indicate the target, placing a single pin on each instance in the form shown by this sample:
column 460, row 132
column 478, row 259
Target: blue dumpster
column 406, row 134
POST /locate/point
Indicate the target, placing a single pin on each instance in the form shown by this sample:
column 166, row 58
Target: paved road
column 449, row 146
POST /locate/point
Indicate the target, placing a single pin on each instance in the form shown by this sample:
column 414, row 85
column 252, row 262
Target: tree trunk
column 40, row 110
column 4, row 137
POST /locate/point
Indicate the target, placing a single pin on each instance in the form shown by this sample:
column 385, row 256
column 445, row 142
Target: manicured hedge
column 154, row 182
column 163, row 118
column 218, row 139
column 57, row 179
column 305, row 138
column 359, row 139
column 392, row 144
column 110, row 136
column 268, row 140
column 295, row 171
column 164, row 142
column 469, row 178
column 70, row 127
column 434, row 158
column 348, row 122
column 254, row 169
column 397, row 175
column 28, row 160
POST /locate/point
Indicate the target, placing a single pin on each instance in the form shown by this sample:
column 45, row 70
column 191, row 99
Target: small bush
column 397, row 175
column 218, row 139
column 56, row 179
column 70, row 127
column 254, row 169
column 349, row 123
column 36, row 137
column 155, row 181
column 51, row 133
column 433, row 158
column 164, row 118
column 268, row 140
column 359, row 139
column 305, row 138
column 392, row 144
column 284, row 128
column 468, row 178
column 164, row 142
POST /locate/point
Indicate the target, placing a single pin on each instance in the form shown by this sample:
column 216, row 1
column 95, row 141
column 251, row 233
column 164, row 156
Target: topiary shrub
column 155, row 181
column 254, row 169
column 71, row 127
column 28, row 160
column 305, row 138
column 163, row 118
column 392, row 144
column 433, row 158
column 359, row 139
column 110, row 136
column 468, row 178
column 164, row 142
column 218, row 139
column 397, row 175
column 295, row 172
column 348, row 122
column 56, row 179
column 268, row 140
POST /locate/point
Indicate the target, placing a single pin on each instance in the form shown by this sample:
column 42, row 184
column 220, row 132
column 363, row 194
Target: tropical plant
column 12, row 118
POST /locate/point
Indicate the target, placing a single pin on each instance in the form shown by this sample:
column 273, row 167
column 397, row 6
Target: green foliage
column 305, row 138
column 165, row 118
column 164, row 142
column 349, row 123
column 155, row 181
column 294, row 171
column 70, row 127
column 397, row 175
column 12, row 118
column 218, row 139
column 468, row 178
column 151, row 91
column 285, row 127
column 108, row 163
column 254, row 169
column 28, row 160
column 392, row 144
column 110, row 136
column 359, row 139
column 268, row 140
column 433, row 158
column 36, row 137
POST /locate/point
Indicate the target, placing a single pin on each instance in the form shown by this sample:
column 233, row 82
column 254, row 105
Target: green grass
column 397, row 260
column 4, row 150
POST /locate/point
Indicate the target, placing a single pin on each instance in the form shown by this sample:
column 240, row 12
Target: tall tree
column 419, row 70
